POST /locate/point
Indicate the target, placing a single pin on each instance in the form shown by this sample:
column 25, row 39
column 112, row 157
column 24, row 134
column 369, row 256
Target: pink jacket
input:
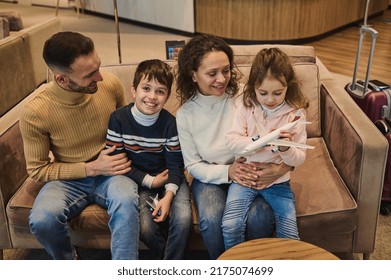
column 244, row 129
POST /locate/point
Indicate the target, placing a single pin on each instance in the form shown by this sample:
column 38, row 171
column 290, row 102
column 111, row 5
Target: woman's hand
column 267, row 173
column 242, row 173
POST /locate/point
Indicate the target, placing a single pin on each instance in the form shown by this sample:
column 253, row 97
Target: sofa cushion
column 14, row 19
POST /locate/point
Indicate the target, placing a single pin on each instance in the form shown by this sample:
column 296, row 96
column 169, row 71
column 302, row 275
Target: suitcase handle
column 354, row 88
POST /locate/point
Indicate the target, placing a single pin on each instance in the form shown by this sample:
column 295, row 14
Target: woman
column 207, row 81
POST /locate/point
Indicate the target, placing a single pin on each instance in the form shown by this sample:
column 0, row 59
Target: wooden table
column 276, row 249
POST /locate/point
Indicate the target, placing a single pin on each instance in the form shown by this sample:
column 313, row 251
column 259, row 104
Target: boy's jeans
column 279, row 197
column 59, row 201
column 167, row 240
column 210, row 202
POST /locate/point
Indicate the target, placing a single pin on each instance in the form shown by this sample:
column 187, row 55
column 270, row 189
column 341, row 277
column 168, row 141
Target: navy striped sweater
column 152, row 149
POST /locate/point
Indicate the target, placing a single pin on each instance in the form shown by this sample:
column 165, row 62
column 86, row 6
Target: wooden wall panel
column 278, row 20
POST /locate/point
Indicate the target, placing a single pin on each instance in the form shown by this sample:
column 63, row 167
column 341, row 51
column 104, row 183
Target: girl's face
column 214, row 73
column 271, row 92
column 150, row 96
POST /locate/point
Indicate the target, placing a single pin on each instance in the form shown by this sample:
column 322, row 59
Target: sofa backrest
column 303, row 60
column 22, row 67
column 16, row 72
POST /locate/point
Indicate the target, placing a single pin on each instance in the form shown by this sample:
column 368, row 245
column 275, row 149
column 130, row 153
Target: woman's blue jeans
column 210, row 202
column 279, row 197
column 166, row 240
column 59, row 201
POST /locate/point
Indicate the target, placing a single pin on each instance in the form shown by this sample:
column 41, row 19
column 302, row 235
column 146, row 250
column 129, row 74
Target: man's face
column 85, row 75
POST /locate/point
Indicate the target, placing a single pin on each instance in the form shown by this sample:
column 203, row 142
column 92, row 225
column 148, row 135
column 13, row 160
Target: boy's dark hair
column 62, row 49
column 154, row 69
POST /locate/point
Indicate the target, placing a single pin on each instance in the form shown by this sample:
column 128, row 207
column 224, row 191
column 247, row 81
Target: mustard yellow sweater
column 71, row 125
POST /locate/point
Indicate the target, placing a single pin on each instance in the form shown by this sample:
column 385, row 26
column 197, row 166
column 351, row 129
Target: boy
column 148, row 135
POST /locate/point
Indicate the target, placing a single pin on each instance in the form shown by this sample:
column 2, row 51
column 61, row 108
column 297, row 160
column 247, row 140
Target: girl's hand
column 287, row 136
column 163, row 206
column 160, row 179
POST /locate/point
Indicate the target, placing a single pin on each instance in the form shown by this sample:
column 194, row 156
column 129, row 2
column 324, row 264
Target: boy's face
column 150, row 96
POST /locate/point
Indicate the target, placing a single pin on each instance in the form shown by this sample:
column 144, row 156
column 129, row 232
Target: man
column 69, row 118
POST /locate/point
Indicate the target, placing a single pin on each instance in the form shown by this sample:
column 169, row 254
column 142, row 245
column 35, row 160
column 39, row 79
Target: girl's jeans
column 210, row 202
column 279, row 197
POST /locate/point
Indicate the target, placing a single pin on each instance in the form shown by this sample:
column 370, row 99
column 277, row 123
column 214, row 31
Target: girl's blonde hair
column 276, row 63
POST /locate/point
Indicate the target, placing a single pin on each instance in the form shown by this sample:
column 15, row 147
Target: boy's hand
column 160, row 179
column 164, row 206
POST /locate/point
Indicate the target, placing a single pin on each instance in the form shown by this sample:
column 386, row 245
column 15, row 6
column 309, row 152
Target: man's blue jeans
column 210, row 203
column 279, row 196
column 59, row 201
column 166, row 240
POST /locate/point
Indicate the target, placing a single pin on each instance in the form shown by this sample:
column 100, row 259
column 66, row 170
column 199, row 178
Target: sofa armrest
column 12, row 175
column 359, row 152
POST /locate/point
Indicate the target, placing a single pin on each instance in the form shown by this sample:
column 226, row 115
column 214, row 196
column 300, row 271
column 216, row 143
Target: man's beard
column 76, row 88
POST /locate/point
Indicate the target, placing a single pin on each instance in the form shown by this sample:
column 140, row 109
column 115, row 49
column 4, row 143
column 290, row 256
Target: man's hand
column 160, row 179
column 108, row 165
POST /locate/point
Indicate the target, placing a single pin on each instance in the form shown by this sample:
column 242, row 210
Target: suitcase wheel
column 385, row 208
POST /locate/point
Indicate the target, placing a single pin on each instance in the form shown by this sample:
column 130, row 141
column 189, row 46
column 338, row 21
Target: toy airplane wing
column 278, row 142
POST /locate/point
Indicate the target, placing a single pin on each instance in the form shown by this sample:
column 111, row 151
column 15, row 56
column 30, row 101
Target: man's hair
column 154, row 69
column 62, row 49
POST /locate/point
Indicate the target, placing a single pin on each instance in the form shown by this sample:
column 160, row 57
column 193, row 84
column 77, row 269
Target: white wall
column 175, row 14
column 62, row 3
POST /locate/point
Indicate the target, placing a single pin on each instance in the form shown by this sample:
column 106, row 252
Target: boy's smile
column 150, row 96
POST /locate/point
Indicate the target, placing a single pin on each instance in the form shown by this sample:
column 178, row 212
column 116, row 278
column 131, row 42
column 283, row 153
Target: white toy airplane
column 271, row 138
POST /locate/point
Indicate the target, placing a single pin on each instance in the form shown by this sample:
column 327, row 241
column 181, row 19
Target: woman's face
column 213, row 74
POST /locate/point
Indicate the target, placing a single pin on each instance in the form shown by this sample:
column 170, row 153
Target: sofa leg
column 365, row 256
column 1, row 255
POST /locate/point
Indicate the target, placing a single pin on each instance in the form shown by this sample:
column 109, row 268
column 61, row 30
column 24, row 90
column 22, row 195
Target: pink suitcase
column 374, row 98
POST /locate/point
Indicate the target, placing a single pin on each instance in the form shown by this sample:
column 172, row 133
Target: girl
column 272, row 98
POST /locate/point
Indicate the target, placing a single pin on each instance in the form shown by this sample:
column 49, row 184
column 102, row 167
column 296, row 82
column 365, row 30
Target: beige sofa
column 22, row 67
column 338, row 189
